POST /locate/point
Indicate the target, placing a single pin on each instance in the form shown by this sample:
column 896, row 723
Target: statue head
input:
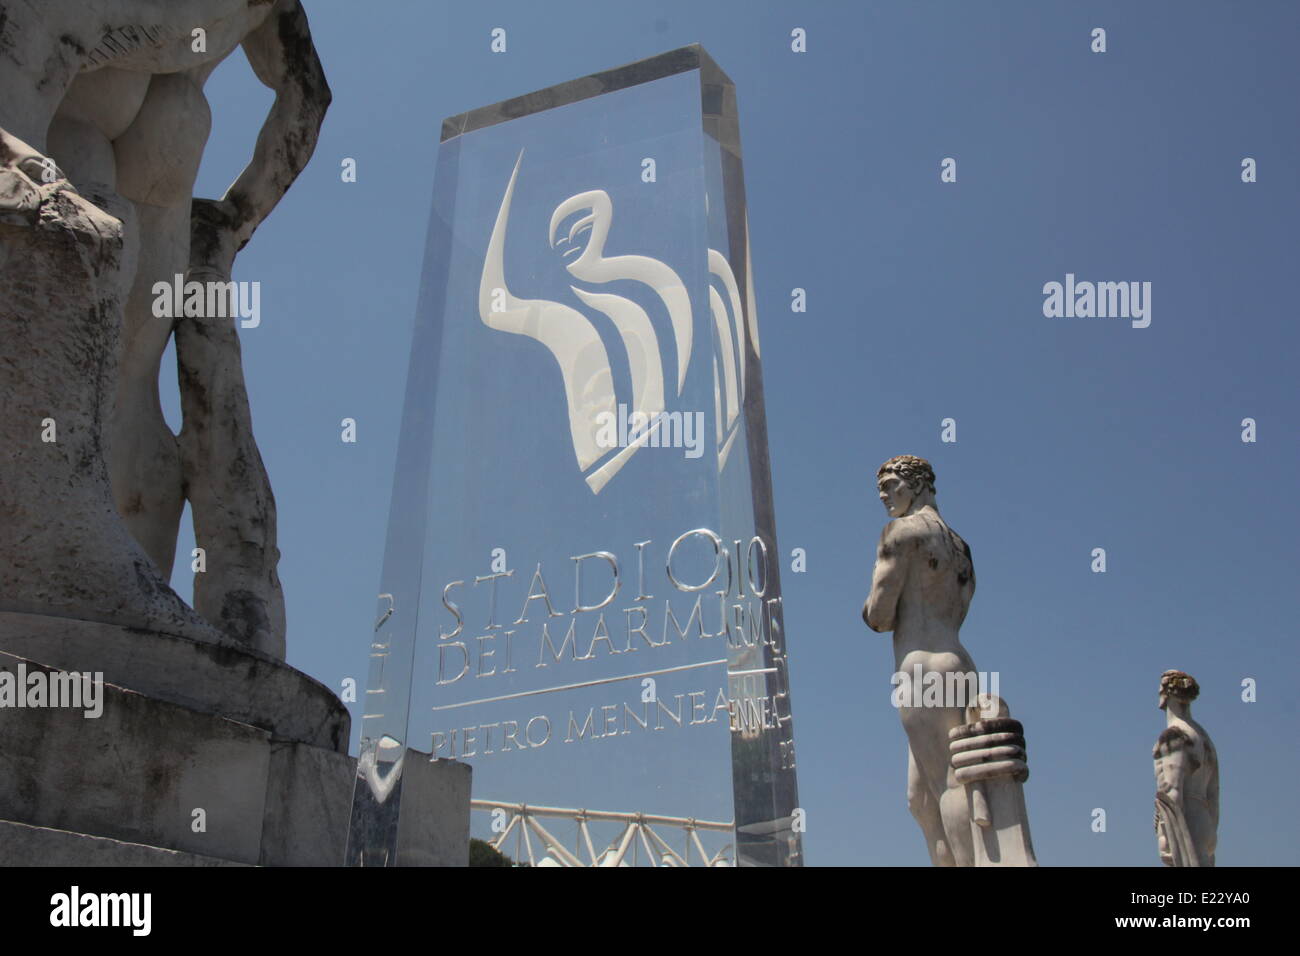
column 1178, row 685
column 905, row 482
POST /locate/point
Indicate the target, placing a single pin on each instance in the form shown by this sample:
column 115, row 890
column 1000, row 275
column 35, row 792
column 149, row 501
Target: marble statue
column 1187, row 779
column 966, row 757
column 921, row 589
column 104, row 122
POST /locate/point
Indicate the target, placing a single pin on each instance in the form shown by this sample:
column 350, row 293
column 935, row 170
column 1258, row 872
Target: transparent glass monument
column 581, row 590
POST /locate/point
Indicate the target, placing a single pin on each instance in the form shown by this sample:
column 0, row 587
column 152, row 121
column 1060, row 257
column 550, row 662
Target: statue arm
column 887, row 579
column 225, row 477
column 282, row 54
column 1175, row 762
column 1171, row 773
column 1171, row 756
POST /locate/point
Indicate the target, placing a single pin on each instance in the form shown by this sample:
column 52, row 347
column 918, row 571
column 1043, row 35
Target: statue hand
column 214, row 238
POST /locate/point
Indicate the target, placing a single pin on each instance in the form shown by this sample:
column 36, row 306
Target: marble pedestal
column 988, row 757
column 187, row 726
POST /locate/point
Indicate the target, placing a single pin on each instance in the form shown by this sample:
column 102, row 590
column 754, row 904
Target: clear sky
column 924, row 302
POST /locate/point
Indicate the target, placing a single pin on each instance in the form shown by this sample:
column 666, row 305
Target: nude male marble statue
column 921, row 589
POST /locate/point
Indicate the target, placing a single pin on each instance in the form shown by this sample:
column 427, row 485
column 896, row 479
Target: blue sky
column 924, row 303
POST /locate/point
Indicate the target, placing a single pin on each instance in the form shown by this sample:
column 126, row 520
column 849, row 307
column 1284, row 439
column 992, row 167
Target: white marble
column 64, row 550
column 1187, row 779
column 989, row 760
column 108, row 95
column 921, row 589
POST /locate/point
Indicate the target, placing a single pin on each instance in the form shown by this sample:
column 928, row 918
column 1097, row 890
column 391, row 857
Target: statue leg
column 143, row 458
column 157, row 161
column 927, row 734
column 925, row 810
column 228, row 488
column 144, row 465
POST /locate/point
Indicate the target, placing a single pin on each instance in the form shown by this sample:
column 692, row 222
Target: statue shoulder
column 901, row 532
column 1170, row 741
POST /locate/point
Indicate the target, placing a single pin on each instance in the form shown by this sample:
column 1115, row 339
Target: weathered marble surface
column 122, row 788
column 921, row 589
column 140, row 770
column 104, row 124
column 1187, row 779
column 219, row 677
column 64, row 550
column 989, row 760
column 21, row 843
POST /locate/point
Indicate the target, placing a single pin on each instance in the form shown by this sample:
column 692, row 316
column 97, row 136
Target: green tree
column 482, row 853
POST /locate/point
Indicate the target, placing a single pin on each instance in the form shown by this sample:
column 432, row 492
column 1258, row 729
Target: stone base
column 221, row 678
column 152, row 780
column 42, row 846
column 433, row 829
column 989, row 761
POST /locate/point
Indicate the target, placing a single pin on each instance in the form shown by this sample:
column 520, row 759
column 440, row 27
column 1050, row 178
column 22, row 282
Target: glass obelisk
column 581, row 591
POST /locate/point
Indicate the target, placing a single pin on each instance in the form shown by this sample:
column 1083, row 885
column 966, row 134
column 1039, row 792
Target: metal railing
column 520, row 820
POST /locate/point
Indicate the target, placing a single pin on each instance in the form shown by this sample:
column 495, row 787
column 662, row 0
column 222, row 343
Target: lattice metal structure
column 638, row 843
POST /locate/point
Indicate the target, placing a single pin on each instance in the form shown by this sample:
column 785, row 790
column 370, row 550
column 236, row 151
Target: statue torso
column 937, row 591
